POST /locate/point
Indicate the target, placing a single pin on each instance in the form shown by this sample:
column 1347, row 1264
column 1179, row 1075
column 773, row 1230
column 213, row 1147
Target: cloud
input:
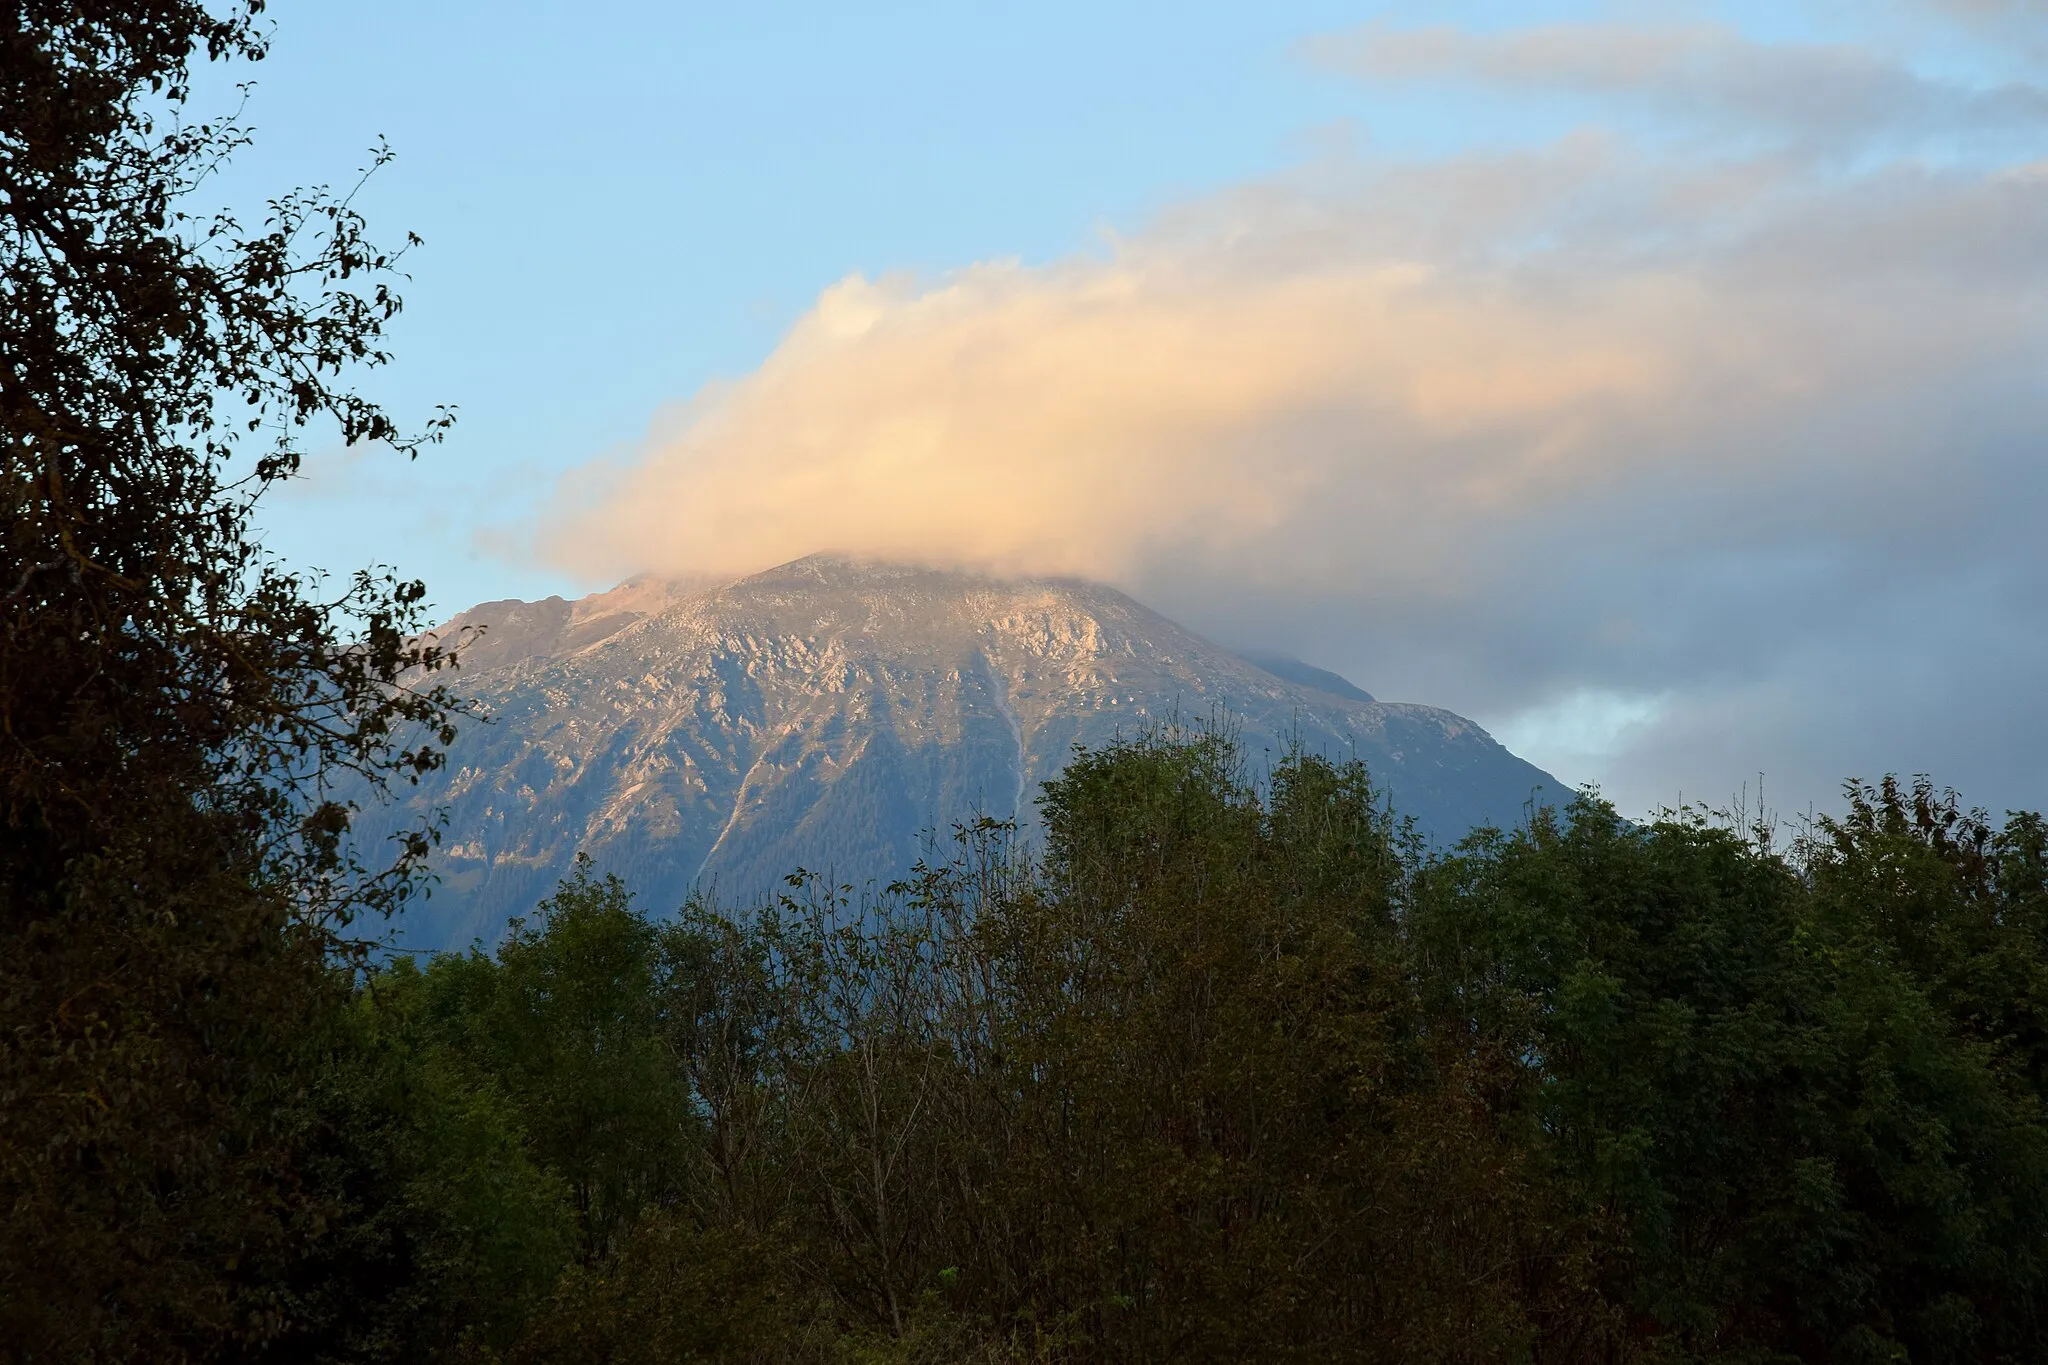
column 1840, row 93
column 1993, row 11
column 1743, row 449
column 2014, row 31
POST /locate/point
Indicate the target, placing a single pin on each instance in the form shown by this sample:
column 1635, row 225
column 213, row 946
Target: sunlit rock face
column 828, row 714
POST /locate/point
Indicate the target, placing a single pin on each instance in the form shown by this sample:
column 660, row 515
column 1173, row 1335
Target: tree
column 1232, row 1071
column 568, row 1025
column 1744, row 1082
column 176, row 707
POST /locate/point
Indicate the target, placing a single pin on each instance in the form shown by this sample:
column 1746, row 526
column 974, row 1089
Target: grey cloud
column 2016, row 31
column 1816, row 93
column 1993, row 11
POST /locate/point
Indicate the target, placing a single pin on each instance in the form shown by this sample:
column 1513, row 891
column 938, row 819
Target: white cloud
column 1581, row 732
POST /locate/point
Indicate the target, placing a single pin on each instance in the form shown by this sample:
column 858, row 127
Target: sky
column 1664, row 386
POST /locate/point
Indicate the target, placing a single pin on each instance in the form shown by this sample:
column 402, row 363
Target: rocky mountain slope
column 826, row 714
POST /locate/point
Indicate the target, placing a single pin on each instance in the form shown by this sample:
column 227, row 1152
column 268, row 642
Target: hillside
column 828, row 713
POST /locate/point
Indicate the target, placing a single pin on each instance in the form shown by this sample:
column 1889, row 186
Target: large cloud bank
column 1704, row 439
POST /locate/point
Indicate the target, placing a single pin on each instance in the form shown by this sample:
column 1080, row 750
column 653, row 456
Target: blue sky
column 624, row 202
column 1775, row 245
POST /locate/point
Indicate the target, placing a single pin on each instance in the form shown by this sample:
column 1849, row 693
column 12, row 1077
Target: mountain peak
column 827, row 712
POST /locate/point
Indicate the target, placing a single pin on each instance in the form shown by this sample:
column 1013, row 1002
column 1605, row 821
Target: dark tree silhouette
column 176, row 707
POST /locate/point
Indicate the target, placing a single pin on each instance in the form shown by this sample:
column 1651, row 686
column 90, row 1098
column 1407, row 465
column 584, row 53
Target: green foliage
column 568, row 1027
column 1233, row 1072
column 1750, row 1079
column 672, row 1292
column 175, row 706
column 452, row 1226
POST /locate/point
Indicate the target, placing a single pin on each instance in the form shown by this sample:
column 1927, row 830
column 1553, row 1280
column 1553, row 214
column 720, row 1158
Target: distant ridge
column 1305, row 675
column 830, row 711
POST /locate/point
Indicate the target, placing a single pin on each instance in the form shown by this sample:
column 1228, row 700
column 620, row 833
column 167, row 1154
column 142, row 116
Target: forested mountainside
column 829, row 714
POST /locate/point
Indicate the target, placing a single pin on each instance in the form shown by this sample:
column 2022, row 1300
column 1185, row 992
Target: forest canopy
column 1232, row 1071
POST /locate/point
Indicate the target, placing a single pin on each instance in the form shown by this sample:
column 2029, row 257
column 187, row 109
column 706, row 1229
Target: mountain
column 827, row 713
column 1306, row 675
